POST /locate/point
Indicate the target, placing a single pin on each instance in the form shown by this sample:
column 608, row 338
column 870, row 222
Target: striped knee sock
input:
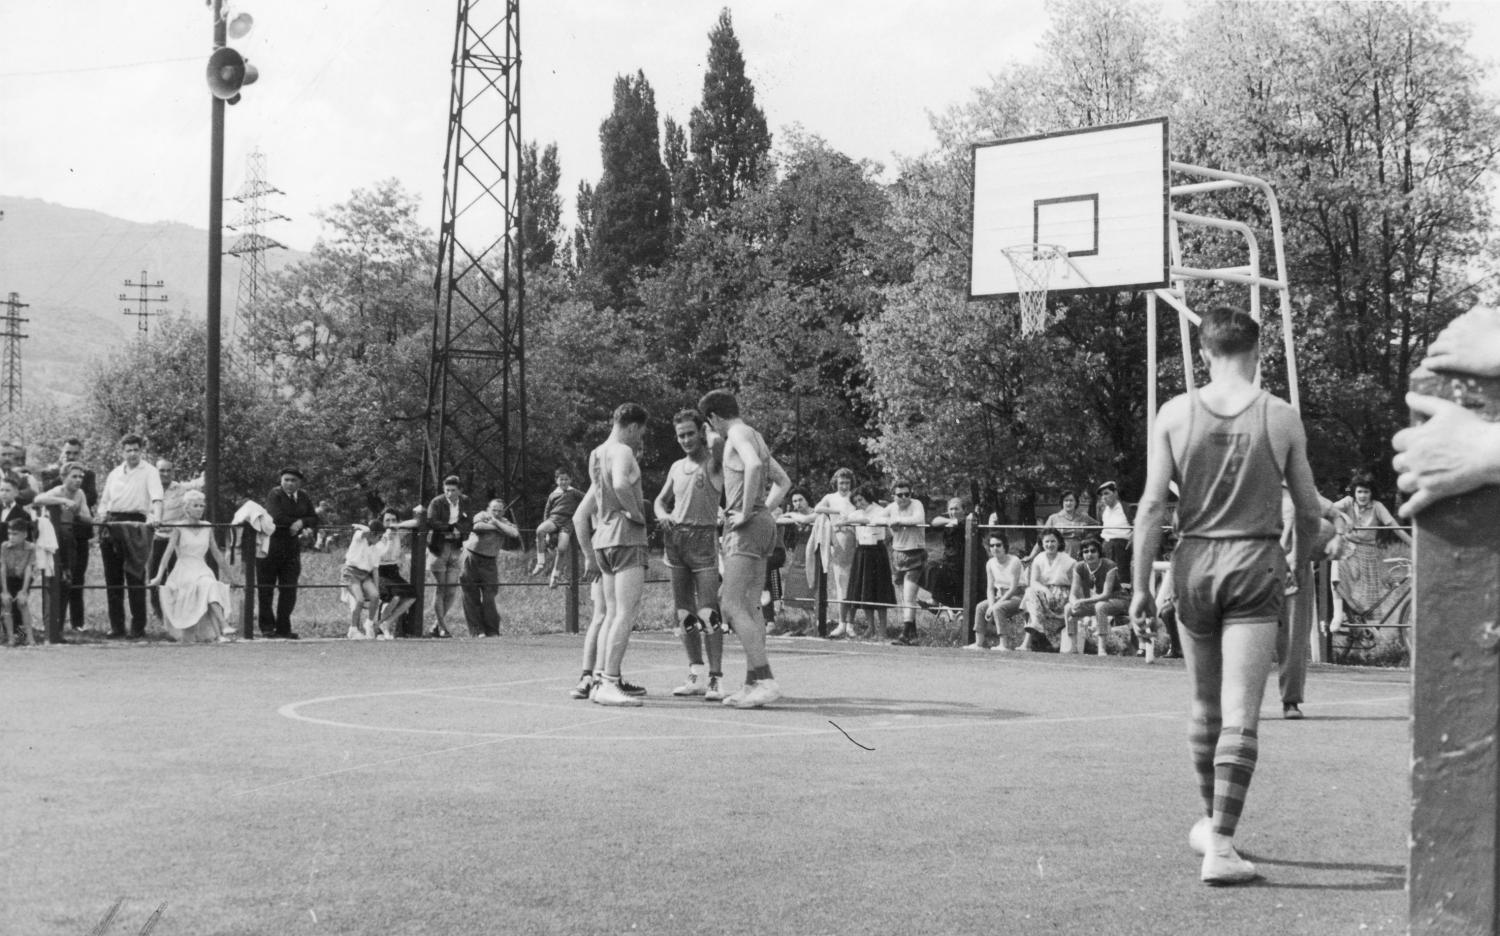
column 1203, row 738
column 1234, row 764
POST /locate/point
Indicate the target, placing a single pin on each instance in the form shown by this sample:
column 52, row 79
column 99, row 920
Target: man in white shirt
column 130, row 505
column 1114, row 528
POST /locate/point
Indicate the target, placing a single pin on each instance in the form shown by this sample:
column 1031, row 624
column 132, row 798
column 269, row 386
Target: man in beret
column 292, row 511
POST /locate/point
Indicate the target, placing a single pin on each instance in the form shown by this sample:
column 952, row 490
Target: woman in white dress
column 834, row 539
column 194, row 601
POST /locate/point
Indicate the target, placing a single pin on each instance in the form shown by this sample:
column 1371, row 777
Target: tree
column 1380, row 144
column 631, row 208
column 541, row 205
column 730, row 142
column 684, row 177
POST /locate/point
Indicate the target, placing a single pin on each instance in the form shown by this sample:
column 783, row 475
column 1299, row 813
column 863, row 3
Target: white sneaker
column 356, row 634
column 369, row 629
column 714, row 692
column 693, row 686
column 1226, row 867
column 756, row 694
column 610, row 693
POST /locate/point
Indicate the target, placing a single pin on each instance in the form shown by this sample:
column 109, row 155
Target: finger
column 1423, row 405
column 1416, row 504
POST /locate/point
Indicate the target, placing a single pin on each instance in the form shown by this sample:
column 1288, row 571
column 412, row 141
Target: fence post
column 248, row 547
column 417, row 576
column 570, row 613
column 54, row 605
column 966, row 629
column 820, row 588
column 1451, row 883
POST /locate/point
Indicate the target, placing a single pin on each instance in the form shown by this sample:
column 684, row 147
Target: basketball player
column 619, row 542
column 754, row 483
column 687, row 510
column 1228, row 446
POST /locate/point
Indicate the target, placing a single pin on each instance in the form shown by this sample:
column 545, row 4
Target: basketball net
column 1033, row 265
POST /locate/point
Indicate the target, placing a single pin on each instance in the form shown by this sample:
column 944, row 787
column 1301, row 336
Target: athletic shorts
column 908, row 560
column 349, row 575
column 13, row 585
column 756, row 538
column 616, row 559
column 695, row 548
column 1221, row 581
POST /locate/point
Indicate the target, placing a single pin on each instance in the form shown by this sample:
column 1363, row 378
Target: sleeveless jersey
column 612, row 524
column 695, row 496
column 735, row 495
column 1228, row 476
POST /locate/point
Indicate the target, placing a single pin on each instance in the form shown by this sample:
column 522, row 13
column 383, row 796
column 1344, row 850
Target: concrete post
column 1456, row 697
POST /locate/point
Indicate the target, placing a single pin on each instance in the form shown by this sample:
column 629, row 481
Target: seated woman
column 1095, row 593
column 1005, row 587
column 1048, row 592
column 1359, row 577
column 871, row 587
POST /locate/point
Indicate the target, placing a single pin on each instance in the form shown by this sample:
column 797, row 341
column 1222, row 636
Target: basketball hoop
column 1033, row 265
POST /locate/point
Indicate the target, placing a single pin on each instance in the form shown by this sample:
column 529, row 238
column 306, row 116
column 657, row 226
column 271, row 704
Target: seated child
column 552, row 534
column 18, row 560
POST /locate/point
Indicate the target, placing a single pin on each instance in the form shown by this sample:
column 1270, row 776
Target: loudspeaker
column 228, row 72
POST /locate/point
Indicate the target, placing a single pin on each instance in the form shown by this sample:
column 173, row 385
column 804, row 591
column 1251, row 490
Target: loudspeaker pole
column 215, row 278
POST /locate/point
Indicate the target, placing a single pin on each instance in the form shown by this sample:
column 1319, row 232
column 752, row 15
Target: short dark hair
column 688, row 415
column 1052, row 531
column 867, row 491
column 720, row 403
column 453, row 480
column 795, row 491
column 900, row 482
column 69, row 468
column 1362, row 479
column 19, row 524
column 630, row 414
column 997, row 535
column 1227, row 330
column 563, row 472
column 131, row 439
column 1093, row 542
column 73, row 440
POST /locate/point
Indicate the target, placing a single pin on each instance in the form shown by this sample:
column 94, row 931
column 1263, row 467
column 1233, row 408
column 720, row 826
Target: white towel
column 258, row 517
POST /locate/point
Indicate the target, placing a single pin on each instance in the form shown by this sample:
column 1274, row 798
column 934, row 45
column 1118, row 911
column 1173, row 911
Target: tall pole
column 215, row 277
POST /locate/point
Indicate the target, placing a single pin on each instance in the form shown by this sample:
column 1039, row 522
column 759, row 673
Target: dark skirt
column 870, row 578
column 393, row 586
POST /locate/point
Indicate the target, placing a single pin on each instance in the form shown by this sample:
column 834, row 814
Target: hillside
column 70, row 265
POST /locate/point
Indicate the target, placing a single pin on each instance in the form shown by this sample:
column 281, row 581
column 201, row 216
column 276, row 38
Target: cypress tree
column 730, row 139
column 632, row 205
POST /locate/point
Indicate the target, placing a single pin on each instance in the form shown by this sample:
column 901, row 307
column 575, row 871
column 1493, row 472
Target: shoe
column 1201, row 836
column 714, row 692
column 904, row 641
column 355, row 633
column 761, row 692
column 115, row 635
column 541, row 565
column 582, row 690
column 693, row 686
column 438, row 630
column 611, row 693
column 631, row 689
column 1291, row 711
column 1221, row 868
column 976, row 645
column 837, row 632
column 287, row 635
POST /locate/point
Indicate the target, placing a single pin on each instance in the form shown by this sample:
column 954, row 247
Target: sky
column 104, row 105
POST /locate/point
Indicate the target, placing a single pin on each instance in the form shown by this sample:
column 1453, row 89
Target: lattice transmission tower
column 252, row 244
column 10, row 367
column 143, row 311
column 476, row 389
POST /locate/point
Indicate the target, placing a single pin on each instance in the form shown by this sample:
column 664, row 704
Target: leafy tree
column 1380, row 144
column 541, row 205
column 631, row 208
column 683, row 174
column 730, row 140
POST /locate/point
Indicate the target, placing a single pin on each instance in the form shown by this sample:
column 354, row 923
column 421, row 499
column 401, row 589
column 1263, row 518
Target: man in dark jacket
column 450, row 522
column 292, row 511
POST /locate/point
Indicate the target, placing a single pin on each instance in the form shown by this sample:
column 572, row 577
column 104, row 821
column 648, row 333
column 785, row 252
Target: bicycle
column 1360, row 631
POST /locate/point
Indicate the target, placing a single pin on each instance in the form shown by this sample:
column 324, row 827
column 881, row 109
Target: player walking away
column 619, row 541
column 688, row 511
column 1228, row 446
column 754, row 483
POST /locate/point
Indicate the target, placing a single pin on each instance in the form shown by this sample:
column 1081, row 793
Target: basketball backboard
column 1100, row 193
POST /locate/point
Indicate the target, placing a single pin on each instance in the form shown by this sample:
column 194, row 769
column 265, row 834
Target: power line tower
column 476, row 388
column 10, row 367
column 143, row 312
column 252, row 244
